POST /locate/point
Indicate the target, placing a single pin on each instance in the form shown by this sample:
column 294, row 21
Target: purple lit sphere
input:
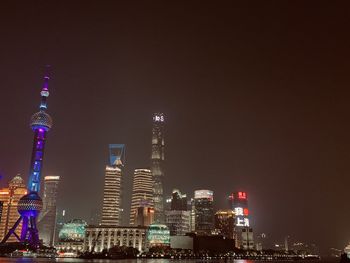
column 41, row 120
column 30, row 205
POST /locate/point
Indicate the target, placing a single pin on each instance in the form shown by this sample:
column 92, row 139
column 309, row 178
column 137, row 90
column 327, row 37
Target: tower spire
column 45, row 90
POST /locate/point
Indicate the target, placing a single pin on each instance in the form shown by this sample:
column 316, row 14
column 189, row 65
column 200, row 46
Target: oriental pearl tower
column 30, row 205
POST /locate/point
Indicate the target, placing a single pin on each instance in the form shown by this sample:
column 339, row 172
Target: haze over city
column 255, row 98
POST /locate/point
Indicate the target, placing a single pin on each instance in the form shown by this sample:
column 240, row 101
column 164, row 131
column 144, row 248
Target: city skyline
column 255, row 100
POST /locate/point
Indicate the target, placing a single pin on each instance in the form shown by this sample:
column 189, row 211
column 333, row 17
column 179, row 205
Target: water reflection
column 76, row 260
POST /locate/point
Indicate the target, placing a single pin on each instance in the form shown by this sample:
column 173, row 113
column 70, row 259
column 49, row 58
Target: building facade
column 144, row 216
column 47, row 218
column 157, row 160
column 71, row 237
column 142, row 193
column 247, row 238
column 204, row 211
column 193, row 216
column 158, row 235
column 98, row 238
column 9, row 198
column 178, row 222
column 225, row 223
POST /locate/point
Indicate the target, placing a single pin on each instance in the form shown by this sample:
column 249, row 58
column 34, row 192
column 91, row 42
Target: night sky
column 256, row 98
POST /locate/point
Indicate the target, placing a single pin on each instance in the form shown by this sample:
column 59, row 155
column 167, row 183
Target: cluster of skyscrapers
column 147, row 202
column 23, row 214
column 178, row 213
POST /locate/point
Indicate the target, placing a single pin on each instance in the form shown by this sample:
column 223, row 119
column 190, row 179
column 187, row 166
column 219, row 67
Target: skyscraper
column 142, row 192
column 30, row 205
column 112, row 194
column 47, row 218
column 178, row 222
column 204, row 211
column 244, row 234
column 178, row 201
column 157, row 159
column 9, row 197
column 177, row 218
column 238, row 202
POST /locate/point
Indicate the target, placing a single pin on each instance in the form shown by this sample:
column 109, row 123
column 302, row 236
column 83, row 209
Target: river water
column 75, row 260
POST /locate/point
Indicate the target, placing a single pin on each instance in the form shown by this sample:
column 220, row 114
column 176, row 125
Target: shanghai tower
column 30, row 205
column 157, row 166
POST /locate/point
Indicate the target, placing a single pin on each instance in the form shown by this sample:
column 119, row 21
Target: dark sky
column 256, row 98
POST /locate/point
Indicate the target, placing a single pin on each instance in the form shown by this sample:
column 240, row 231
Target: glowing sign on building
column 74, row 230
column 158, row 117
column 242, row 195
column 246, row 212
column 239, row 204
column 242, row 221
column 158, row 235
column 198, row 194
column 239, row 211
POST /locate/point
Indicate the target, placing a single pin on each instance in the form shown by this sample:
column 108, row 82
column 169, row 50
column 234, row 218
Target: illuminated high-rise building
column 9, row 198
column 178, row 201
column 30, row 205
column 238, row 202
column 225, row 223
column 112, row 195
column 204, row 211
column 157, row 159
column 193, row 216
column 178, row 222
column 177, row 218
column 47, row 218
column 142, row 192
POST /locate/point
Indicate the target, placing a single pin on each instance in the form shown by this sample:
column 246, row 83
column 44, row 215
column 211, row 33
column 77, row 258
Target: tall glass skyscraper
column 204, row 211
column 47, row 218
column 142, row 192
column 157, row 159
column 112, row 194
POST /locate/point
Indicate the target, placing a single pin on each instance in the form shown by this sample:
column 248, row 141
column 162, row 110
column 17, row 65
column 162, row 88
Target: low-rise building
column 158, row 235
column 71, row 237
column 98, row 238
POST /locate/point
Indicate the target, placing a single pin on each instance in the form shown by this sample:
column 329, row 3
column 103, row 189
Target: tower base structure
column 29, row 207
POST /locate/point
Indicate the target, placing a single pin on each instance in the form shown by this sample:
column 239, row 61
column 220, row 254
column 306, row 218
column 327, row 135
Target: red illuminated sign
column 246, row 212
column 242, row 195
